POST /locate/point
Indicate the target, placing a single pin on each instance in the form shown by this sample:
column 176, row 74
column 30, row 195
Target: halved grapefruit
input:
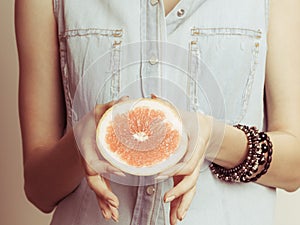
column 141, row 137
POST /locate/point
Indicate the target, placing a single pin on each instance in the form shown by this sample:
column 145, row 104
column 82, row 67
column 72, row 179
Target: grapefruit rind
column 172, row 117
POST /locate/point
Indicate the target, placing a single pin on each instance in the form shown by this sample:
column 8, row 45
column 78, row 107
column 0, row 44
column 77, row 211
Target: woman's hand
column 108, row 202
column 95, row 167
column 185, row 174
column 182, row 193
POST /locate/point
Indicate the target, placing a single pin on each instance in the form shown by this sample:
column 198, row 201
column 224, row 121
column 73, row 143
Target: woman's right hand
column 108, row 202
column 95, row 167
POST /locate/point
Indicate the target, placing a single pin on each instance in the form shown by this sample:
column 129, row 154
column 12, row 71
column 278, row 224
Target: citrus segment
column 141, row 137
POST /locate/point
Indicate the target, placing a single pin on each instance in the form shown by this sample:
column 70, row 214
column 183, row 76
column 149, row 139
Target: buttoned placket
column 153, row 32
column 150, row 37
column 148, row 204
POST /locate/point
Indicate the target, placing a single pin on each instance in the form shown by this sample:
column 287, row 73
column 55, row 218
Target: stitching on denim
column 188, row 85
column 162, row 205
column 156, row 201
column 194, row 65
column 90, row 32
column 196, row 31
column 115, row 69
column 255, row 35
column 115, row 62
column 250, row 80
column 68, row 98
column 65, row 80
column 137, row 211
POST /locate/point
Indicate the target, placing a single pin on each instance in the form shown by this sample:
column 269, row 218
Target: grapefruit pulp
column 141, row 137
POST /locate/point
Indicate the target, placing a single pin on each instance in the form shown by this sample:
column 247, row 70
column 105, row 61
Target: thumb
column 100, row 109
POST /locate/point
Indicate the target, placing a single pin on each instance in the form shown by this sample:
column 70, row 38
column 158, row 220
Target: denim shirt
column 205, row 55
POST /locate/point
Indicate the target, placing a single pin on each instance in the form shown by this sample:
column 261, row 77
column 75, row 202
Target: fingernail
column 170, row 198
column 123, row 98
column 182, row 217
column 153, row 96
column 115, row 218
column 119, row 173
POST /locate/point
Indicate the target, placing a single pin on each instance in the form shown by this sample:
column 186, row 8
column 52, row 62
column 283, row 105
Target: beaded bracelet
column 260, row 150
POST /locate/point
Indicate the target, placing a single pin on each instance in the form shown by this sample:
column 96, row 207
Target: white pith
column 171, row 116
column 141, row 136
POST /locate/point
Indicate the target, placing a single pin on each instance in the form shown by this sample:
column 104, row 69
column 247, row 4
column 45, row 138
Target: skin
column 169, row 5
column 53, row 167
column 283, row 113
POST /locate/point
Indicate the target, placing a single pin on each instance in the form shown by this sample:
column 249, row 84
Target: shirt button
column 180, row 12
column 150, row 190
column 153, row 60
column 153, row 2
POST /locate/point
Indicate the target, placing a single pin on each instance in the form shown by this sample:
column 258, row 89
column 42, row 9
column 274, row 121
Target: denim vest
column 205, row 55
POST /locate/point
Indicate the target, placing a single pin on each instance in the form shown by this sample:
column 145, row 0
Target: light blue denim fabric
column 109, row 48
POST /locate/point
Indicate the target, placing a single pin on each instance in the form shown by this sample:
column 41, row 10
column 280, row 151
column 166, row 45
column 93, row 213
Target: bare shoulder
column 283, row 67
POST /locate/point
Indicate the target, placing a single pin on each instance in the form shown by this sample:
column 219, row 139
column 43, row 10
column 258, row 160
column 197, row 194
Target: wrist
column 255, row 164
column 228, row 146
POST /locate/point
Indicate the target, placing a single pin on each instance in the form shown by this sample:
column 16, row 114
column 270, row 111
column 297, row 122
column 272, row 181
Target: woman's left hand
column 185, row 189
column 185, row 174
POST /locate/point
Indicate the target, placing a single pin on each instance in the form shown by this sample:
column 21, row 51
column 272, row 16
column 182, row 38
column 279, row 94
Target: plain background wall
column 14, row 208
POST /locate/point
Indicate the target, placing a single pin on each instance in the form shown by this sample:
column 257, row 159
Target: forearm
column 284, row 170
column 52, row 172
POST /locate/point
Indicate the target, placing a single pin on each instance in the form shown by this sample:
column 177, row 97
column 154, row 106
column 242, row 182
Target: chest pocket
column 230, row 54
column 89, row 59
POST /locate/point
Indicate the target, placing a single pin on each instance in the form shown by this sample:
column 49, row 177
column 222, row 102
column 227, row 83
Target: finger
column 183, row 186
column 89, row 158
column 173, row 210
column 153, row 96
column 114, row 213
column 101, row 167
column 114, row 202
column 170, row 172
column 182, row 168
column 94, row 163
column 105, row 209
column 185, row 203
column 102, row 189
column 108, row 211
column 122, row 99
column 188, row 167
column 100, row 109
